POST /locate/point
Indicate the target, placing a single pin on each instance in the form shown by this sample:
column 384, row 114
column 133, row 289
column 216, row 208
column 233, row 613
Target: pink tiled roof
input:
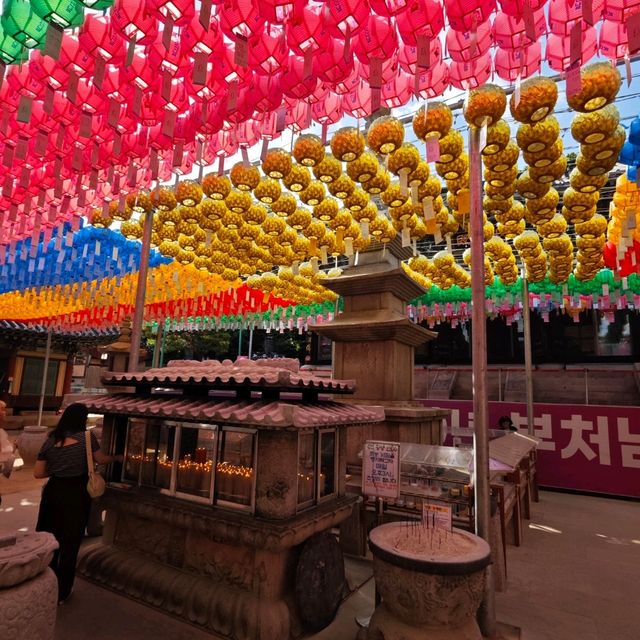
column 275, row 414
column 281, row 373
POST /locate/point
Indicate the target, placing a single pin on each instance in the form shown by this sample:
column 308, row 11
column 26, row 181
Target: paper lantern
column 454, row 169
column 551, row 172
column 347, row 144
column 346, row 16
column 576, row 201
column 285, row 205
column 529, row 188
column 498, row 137
column 357, row 200
column 245, row 178
column 313, row 194
column 378, row 183
column 341, row 187
column 188, row 193
column 593, row 228
column 620, row 10
column 538, row 97
column 515, row 63
column 553, row 228
column 21, row 23
column 471, row 74
column 594, row 167
column 451, row 146
column 11, row 51
column 330, row 64
column 463, row 45
column 485, row 105
column 420, row 18
column 326, row 210
column 64, row 13
column 308, row 150
column 544, row 158
column 297, row 179
column 216, row 187
column 163, row 199
column 363, row 168
column 131, row 230
column 501, row 193
column 277, row 163
column 607, row 148
column 600, row 85
column 587, row 184
column 538, row 136
column 503, row 160
column 509, row 31
column 131, row 19
column 408, row 59
column 594, row 127
column 432, row 82
column 435, row 121
column 558, row 52
column 212, row 209
column 99, row 219
column 328, row 170
column 464, row 15
column 267, row 190
column 238, row 201
column 500, row 178
column 377, row 38
column 385, row 135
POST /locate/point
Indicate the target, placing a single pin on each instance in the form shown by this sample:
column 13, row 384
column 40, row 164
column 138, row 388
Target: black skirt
column 64, row 508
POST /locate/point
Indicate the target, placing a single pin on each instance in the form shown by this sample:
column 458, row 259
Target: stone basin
column 431, row 582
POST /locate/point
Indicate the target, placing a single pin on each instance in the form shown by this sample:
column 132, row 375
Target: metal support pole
column 482, row 488
column 250, row 342
column 141, row 290
column 43, row 386
column 240, row 341
column 161, row 362
column 528, row 358
column 586, row 386
column 158, row 346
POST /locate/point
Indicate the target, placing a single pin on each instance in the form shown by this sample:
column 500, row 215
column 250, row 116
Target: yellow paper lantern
column 607, row 148
column 592, row 228
column 99, row 219
column 238, row 201
column 484, row 105
column 536, row 137
column 593, row 167
column 131, row 230
column 313, row 194
column 190, row 215
column 544, row 158
column 594, row 127
column 454, row 169
column 277, row 164
column 255, row 215
column 538, row 97
column 529, row 188
column 188, row 193
column 500, row 178
column 498, row 137
column 503, row 160
column 169, row 249
column 451, row 146
column 342, row 186
column 378, row 183
column 551, row 172
column 138, row 201
column 600, row 85
column 285, row 205
column 587, row 184
column 577, row 201
column 436, row 121
column 363, row 168
column 297, row 179
column 553, row 228
column 163, row 199
column 347, row 144
column 308, row 150
column 327, row 210
column 501, row 193
column 385, row 135
column 357, row 201
column 216, row 187
column 393, row 196
column 170, row 217
column 267, row 190
column 328, row 170
column 543, row 208
column 274, row 226
column 403, row 161
column 299, row 219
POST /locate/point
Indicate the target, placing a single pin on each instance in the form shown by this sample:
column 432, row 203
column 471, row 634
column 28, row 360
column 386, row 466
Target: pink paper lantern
column 558, row 53
column 306, row 30
column 172, row 60
column 420, row 18
column 523, row 62
column 331, row 65
column 22, row 82
column 47, row 70
column 275, row 11
column 225, row 69
column 298, row 117
column 408, row 55
column 377, row 39
column 471, row 74
column 463, row 45
column 614, row 42
column 294, row 83
column 357, row 103
column 74, row 57
column 351, row 81
column 267, row 91
column 140, row 72
column 466, row 15
column 266, row 51
column 329, row 111
column 99, row 39
column 397, row 92
column 516, row 7
column 563, row 15
column 346, row 16
column 509, row 31
column 389, row 71
column 620, row 10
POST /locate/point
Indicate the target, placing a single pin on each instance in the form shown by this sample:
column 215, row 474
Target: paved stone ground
column 574, row 578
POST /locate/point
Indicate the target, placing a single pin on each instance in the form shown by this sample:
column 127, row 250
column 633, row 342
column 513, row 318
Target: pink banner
column 583, row 447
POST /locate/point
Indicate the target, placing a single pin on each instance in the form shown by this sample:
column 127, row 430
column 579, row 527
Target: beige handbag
column 96, row 485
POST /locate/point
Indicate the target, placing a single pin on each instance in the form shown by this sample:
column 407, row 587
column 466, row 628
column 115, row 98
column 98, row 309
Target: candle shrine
column 233, row 474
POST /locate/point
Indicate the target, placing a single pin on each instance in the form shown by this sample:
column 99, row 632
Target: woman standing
column 65, row 504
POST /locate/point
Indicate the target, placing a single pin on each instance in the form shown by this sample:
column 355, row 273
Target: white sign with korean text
column 436, row 516
column 381, row 469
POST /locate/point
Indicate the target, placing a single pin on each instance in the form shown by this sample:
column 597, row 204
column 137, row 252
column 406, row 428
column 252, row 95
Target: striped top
column 69, row 461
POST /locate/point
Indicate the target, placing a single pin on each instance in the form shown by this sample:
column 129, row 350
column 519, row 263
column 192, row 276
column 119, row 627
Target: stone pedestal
column 30, row 442
column 28, row 588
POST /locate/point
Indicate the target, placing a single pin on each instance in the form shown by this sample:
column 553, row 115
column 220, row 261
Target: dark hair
column 505, row 419
column 73, row 420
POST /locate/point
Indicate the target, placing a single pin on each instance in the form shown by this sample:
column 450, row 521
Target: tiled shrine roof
column 281, row 373
column 266, row 414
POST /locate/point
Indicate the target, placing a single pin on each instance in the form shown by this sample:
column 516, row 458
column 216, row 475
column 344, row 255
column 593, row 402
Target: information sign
column 381, row 469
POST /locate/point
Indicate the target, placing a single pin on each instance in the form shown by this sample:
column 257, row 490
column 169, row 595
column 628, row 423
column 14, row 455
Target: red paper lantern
column 389, row 71
column 377, row 39
column 420, row 18
column 266, row 51
column 240, row 18
column 346, row 16
column 516, row 7
column 433, row 82
column 294, row 83
column 357, row 103
column 472, row 74
column 558, row 52
column 131, row 20
column 329, row 111
column 351, row 81
column 563, row 15
column 389, row 8
column 466, row 15
column 509, row 31
column 98, row 39
column 408, row 56
column 397, row 92
column 620, row 10
column 306, row 30
column 47, row 70
column 331, row 65
column 524, row 62
column 173, row 60
column 180, row 11
column 463, row 45
column 275, row 11
column 196, row 39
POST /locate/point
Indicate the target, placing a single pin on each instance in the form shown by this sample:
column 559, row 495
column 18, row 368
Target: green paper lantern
column 11, row 51
column 64, row 13
column 97, row 5
column 21, row 23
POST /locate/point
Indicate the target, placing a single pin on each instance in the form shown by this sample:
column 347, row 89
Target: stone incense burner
column 431, row 582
